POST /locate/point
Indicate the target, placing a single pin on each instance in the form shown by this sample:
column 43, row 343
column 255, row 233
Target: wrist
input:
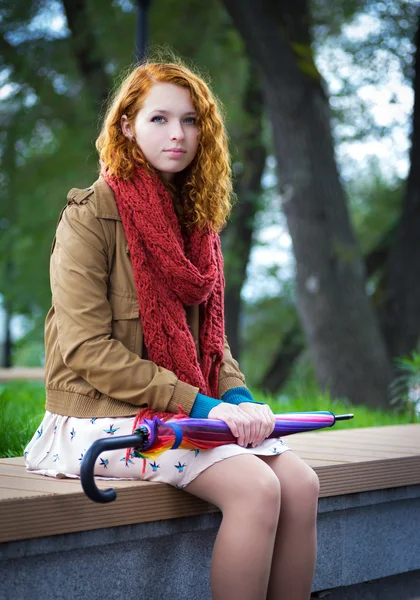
column 202, row 406
column 239, row 395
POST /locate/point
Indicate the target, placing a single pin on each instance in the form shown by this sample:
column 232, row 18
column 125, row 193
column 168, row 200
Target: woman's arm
column 230, row 375
column 79, row 282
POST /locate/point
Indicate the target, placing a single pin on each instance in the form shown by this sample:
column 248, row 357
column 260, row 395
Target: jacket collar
column 105, row 206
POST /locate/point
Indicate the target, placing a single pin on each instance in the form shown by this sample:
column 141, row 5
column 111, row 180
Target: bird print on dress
column 154, row 466
column 82, row 455
column 55, row 429
column 104, row 463
column 93, row 419
column 111, row 429
column 72, row 434
column 56, row 458
column 180, row 467
column 127, row 461
column 39, row 433
column 275, row 450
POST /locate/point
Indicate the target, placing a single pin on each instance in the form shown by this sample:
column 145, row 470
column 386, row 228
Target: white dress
column 58, row 446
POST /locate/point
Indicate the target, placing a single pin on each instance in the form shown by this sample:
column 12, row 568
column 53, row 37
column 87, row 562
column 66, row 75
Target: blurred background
column 322, row 251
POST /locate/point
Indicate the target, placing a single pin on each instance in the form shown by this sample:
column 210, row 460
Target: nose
column 177, row 132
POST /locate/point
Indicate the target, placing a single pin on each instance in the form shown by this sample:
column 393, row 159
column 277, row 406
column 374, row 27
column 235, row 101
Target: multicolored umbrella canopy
column 152, row 436
column 204, row 434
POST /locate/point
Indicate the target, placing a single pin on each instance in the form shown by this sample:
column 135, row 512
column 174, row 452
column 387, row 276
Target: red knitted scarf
column 172, row 270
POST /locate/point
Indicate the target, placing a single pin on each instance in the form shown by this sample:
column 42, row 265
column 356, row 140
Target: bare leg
column 294, row 555
column 248, row 493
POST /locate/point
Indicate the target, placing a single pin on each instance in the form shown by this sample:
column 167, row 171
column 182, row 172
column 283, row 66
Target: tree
column 401, row 310
column 340, row 326
column 389, row 44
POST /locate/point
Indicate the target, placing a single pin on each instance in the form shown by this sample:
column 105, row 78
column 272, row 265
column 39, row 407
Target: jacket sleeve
column 230, row 375
column 79, row 283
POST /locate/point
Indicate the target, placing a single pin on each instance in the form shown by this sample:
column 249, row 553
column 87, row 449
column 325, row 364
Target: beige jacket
column 96, row 362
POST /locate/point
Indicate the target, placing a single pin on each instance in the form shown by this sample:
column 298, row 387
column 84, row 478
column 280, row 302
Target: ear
column 125, row 127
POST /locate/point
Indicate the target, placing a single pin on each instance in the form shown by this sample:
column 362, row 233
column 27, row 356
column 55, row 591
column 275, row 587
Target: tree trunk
column 289, row 350
column 292, row 345
column 401, row 315
column 10, row 214
column 237, row 237
column 86, row 52
column 340, row 326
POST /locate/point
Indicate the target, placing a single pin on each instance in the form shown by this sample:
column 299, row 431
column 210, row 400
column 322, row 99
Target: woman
column 137, row 321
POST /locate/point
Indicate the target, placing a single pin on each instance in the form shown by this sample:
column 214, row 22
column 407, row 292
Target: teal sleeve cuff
column 202, row 406
column 238, row 395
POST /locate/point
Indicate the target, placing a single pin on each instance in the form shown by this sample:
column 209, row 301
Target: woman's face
column 166, row 129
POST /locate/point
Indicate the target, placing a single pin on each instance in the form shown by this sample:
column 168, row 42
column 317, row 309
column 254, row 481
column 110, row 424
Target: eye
column 158, row 117
column 191, row 120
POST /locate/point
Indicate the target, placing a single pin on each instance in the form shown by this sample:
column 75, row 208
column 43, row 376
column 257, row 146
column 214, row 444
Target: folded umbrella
column 153, row 436
column 204, row 434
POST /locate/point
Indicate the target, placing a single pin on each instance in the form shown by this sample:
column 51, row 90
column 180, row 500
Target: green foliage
column 21, row 411
column 267, row 322
column 29, row 352
column 313, row 399
column 375, row 206
column 406, row 386
column 305, row 60
column 364, row 44
column 302, row 393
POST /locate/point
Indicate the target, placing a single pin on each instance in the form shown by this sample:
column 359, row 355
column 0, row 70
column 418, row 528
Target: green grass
column 22, row 409
column 363, row 416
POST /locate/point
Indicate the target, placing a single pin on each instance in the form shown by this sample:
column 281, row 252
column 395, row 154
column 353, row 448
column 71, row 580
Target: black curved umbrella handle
column 91, row 455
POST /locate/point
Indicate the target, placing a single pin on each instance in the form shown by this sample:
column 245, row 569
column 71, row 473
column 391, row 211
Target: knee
column 311, row 486
column 262, row 500
column 303, row 498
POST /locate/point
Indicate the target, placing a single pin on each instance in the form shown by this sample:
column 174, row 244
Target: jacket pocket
column 126, row 325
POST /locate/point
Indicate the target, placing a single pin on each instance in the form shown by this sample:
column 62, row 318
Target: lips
column 176, row 150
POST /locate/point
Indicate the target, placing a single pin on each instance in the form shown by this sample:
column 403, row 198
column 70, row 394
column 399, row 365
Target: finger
column 260, row 435
column 249, row 430
column 253, row 418
column 241, row 433
column 232, row 426
column 264, row 429
column 260, row 425
column 269, row 427
column 252, row 430
column 271, row 424
column 257, row 428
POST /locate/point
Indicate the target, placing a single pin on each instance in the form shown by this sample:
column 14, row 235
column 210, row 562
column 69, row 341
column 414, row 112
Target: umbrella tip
column 344, row 417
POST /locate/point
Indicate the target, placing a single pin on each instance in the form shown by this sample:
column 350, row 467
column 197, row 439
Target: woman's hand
column 239, row 422
column 263, row 419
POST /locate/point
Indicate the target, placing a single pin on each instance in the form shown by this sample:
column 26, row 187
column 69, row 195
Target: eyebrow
column 166, row 112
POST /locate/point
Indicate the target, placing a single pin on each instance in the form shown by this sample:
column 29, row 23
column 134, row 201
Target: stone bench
column 155, row 541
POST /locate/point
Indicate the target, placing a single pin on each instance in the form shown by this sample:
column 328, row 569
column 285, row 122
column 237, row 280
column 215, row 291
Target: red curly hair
column 205, row 187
